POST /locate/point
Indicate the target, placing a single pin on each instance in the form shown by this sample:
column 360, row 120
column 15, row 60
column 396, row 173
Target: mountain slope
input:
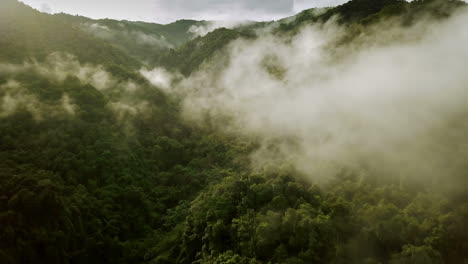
column 188, row 57
column 27, row 34
column 99, row 162
column 143, row 41
column 369, row 11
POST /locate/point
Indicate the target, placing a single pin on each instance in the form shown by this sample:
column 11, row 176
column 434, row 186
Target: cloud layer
column 124, row 96
column 139, row 37
column 386, row 105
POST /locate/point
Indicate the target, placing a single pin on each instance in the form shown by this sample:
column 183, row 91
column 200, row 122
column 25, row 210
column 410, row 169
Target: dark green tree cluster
column 28, row 34
column 366, row 12
column 278, row 218
column 90, row 188
column 190, row 56
column 95, row 186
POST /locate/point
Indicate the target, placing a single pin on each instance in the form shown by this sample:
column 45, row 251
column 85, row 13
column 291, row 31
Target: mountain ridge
column 129, row 142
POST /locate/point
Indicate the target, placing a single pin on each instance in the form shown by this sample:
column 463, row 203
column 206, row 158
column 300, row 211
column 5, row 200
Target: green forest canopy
column 82, row 184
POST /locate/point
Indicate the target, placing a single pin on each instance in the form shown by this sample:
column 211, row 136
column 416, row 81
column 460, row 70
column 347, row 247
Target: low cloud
column 57, row 67
column 201, row 30
column 68, row 105
column 127, row 110
column 385, row 105
column 14, row 96
column 104, row 32
column 158, row 77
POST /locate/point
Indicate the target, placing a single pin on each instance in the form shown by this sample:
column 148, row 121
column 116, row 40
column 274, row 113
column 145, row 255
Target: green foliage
column 143, row 41
column 368, row 12
column 191, row 55
column 417, row 255
column 93, row 186
column 27, row 33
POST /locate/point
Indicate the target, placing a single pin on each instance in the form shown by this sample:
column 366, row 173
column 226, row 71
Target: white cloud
column 13, row 97
column 209, row 26
column 158, row 77
column 139, row 37
column 57, row 68
column 384, row 107
column 127, row 110
column 68, row 105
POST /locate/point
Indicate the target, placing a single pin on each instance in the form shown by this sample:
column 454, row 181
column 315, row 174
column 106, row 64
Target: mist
column 14, row 97
column 123, row 95
column 335, row 135
column 389, row 103
column 209, row 26
column 140, row 38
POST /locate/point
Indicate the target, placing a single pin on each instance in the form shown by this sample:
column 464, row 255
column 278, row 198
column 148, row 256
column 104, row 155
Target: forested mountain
column 113, row 148
column 144, row 41
column 27, row 33
column 175, row 33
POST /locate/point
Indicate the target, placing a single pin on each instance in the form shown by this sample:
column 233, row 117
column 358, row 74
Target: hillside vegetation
column 99, row 164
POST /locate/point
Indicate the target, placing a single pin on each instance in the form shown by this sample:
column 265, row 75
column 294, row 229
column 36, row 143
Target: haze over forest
column 336, row 135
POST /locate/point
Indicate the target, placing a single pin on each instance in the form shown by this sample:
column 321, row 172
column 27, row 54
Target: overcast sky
column 164, row 11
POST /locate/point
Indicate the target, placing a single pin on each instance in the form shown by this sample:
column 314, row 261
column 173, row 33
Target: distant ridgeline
column 27, row 33
column 192, row 54
column 98, row 166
